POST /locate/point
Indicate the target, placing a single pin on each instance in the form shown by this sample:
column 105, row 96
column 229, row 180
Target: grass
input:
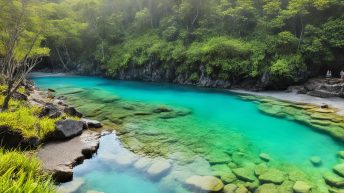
column 24, row 119
column 20, row 173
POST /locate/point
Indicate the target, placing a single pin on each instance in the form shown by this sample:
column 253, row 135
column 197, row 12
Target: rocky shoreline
column 74, row 139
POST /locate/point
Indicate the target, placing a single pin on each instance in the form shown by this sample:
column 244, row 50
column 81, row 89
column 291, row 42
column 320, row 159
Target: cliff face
column 155, row 72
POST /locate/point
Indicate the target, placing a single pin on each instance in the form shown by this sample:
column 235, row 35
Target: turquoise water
column 220, row 122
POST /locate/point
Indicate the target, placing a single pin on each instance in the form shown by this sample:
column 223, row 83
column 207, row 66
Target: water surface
column 218, row 128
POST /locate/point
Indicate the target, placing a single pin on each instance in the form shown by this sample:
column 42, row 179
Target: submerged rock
column 267, row 188
column 230, row 188
column 334, row 180
column 315, row 160
column 301, row 187
column 71, row 186
column 341, row 154
column 72, row 112
column 339, row 169
column 159, row 168
column 143, row 163
column 125, row 160
column 228, row 177
column 66, row 129
column 204, row 183
column 272, row 176
column 244, row 174
column 265, row 157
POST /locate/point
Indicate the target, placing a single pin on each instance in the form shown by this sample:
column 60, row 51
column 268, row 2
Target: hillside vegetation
column 285, row 41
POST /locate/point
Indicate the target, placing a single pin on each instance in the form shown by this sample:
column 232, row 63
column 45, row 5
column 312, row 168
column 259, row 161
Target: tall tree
column 21, row 36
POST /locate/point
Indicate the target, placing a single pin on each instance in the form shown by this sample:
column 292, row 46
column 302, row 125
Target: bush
column 23, row 174
column 25, row 120
column 287, row 67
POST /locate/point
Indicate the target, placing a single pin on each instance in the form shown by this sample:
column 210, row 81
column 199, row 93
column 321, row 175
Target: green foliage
column 287, row 67
column 26, row 121
column 20, row 173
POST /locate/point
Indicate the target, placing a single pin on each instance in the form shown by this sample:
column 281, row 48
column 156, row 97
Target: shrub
column 25, row 120
column 22, row 174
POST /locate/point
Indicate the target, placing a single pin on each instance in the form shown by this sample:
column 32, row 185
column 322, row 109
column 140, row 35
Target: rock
column 66, row 129
column 341, row 154
column 315, row 160
column 334, row 180
column 93, row 191
column 159, row 168
column 204, row 183
column 13, row 139
column 91, row 123
column 71, row 186
column 228, row 177
column 267, row 188
column 301, row 187
column 19, row 96
column 125, row 160
column 244, row 174
column 62, row 173
column 161, row 109
column 265, row 157
column 51, row 111
column 242, row 189
column 272, row 176
column 230, row 188
column 58, row 158
column 260, row 169
column 72, row 112
column 339, row 169
column 143, row 163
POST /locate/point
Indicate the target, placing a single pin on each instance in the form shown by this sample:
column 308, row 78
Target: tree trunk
column 6, row 102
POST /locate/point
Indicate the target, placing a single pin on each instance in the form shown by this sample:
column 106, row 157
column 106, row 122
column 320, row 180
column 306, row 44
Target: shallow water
column 219, row 127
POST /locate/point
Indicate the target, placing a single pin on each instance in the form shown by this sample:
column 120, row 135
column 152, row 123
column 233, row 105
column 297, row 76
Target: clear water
column 220, row 122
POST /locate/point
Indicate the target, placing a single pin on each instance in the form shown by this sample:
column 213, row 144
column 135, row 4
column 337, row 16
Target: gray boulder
column 50, row 111
column 89, row 123
column 72, row 112
column 66, row 129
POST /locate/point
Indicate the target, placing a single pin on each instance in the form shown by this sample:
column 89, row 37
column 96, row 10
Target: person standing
column 342, row 75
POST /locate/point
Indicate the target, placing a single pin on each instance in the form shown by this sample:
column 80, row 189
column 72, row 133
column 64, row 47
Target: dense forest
column 266, row 43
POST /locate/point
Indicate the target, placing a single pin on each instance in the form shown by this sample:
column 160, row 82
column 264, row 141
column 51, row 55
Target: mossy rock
column 244, row 174
column 333, row 180
column 272, row 176
column 267, row 188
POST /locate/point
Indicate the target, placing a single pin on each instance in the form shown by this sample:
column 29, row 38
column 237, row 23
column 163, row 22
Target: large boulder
column 204, row 183
column 72, row 112
column 51, row 111
column 66, row 129
column 13, row 139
